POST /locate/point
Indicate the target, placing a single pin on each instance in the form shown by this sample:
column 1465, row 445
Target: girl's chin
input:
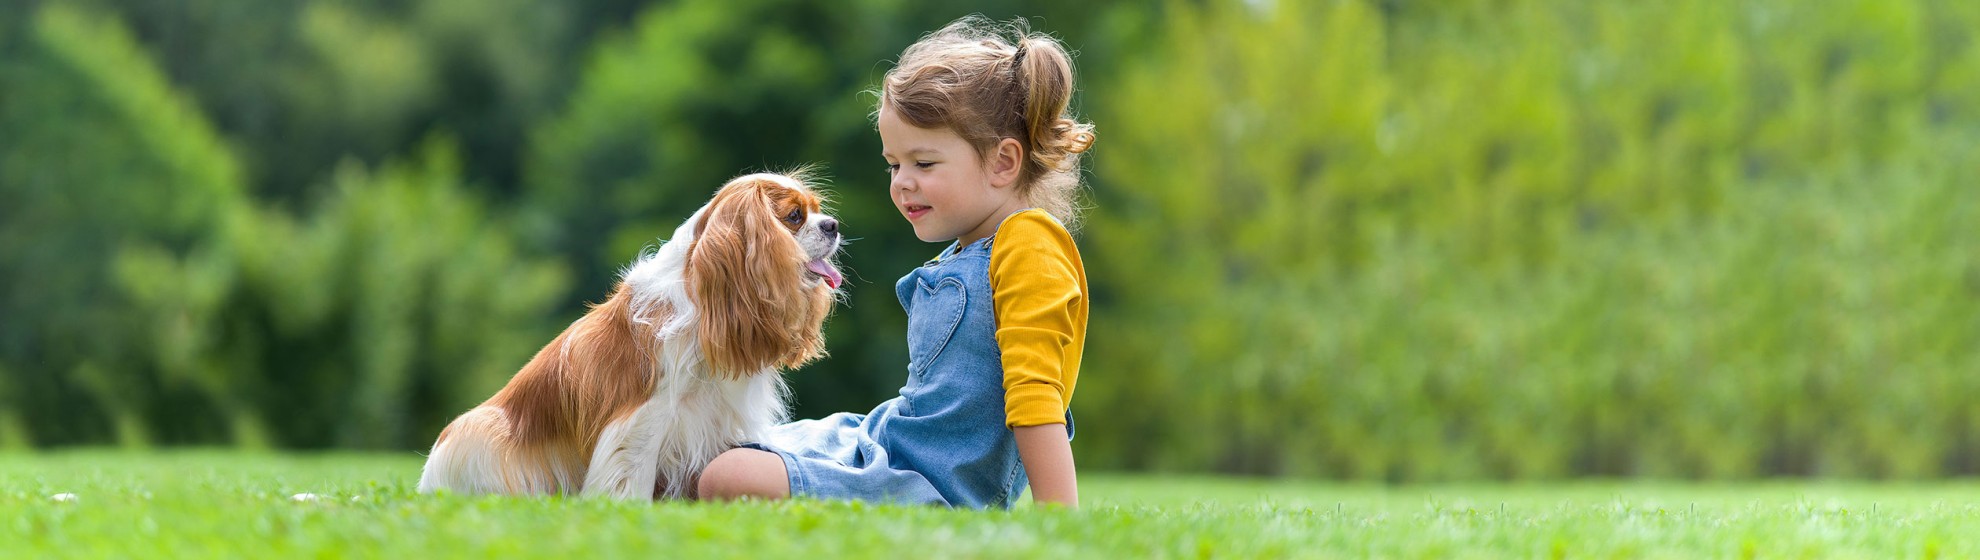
column 930, row 236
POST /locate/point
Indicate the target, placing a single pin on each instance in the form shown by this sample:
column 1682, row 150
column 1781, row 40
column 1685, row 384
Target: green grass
column 226, row 504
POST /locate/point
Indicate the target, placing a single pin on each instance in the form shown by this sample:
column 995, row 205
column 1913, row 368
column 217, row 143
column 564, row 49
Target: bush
column 173, row 310
column 1537, row 239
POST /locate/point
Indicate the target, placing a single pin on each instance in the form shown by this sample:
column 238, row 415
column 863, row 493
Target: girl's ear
column 1006, row 160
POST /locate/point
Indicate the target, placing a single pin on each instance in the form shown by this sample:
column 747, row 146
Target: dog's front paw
column 619, row 488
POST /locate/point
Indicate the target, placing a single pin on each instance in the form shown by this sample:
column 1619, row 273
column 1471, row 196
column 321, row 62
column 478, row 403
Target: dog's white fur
column 658, row 449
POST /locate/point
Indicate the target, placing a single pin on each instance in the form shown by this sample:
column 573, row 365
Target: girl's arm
column 1048, row 461
column 1039, row 288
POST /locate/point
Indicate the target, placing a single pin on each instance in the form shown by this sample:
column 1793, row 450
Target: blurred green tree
column 101, row 154
column 1413, row 241
column 168, row 307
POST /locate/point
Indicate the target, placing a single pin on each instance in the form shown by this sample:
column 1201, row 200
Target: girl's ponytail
column 1043, row 73
column 1044, row 78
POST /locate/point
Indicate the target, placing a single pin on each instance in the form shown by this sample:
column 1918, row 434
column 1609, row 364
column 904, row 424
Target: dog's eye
column 795, row 216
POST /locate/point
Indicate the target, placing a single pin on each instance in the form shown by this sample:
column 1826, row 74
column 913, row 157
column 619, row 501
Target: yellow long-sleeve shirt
column 1039, row 285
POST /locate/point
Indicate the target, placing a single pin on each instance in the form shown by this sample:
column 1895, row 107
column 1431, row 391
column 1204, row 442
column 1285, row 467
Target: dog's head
column 761, row 274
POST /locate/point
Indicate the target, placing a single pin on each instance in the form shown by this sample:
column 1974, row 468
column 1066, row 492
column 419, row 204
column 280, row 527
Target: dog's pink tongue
column 825, row 269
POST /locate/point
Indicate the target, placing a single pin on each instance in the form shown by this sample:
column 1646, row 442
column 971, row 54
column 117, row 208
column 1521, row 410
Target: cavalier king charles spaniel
column 680, row 364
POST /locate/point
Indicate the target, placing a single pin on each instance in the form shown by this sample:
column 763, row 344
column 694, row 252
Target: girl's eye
column 924, row 164
column 794, row 217
column 893, row 168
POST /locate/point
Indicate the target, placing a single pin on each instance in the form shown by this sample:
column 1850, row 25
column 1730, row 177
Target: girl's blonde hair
column 987, row 82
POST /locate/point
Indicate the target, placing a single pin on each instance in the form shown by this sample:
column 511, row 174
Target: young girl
column 974, row 131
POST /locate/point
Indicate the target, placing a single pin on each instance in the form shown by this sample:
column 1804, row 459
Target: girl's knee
column 744, row 473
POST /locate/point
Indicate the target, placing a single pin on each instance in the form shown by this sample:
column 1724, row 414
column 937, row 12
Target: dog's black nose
column 829, row 226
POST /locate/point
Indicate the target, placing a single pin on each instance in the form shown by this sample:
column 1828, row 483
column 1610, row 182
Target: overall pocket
column 932, row 321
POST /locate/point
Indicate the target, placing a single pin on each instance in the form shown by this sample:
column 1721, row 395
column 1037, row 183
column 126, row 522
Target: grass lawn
column 229, row 504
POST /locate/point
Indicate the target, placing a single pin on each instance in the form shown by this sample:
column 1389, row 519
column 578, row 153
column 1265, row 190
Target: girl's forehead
column 900, row 139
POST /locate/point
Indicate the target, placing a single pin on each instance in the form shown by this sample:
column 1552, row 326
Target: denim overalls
column 943, row 441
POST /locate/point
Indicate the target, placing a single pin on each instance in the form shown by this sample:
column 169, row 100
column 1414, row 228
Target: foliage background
column 1388, row 240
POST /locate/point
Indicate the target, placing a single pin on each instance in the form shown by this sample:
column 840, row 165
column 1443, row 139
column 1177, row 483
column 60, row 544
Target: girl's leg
column 745, row 473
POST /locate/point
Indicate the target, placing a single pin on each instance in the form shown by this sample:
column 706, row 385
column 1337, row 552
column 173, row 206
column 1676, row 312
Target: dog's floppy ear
column 743, row 273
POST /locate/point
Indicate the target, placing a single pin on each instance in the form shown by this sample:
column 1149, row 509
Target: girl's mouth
column 915, row 210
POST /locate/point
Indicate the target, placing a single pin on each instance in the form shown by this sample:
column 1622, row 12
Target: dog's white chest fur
column 687, row 423
column 693, row 415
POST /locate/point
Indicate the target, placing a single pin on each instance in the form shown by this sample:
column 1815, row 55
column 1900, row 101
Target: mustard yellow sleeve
column 1039, row 285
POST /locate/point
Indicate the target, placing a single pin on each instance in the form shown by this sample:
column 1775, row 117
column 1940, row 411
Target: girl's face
column 940, row 184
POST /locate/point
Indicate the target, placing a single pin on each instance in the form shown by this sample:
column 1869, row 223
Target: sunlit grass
column 215, row 504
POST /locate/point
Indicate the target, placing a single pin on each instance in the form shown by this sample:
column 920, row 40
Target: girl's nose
column 900, row 183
